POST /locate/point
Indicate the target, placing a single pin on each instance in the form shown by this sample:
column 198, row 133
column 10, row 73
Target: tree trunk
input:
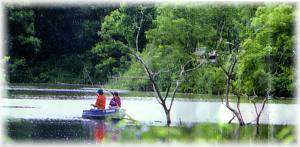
column 241, row 121
column 236, row 113
column 168, row 114
column 227, row 89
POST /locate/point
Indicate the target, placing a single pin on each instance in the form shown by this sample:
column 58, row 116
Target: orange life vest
column 100, row 103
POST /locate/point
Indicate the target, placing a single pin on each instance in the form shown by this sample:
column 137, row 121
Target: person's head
column 100, row 91
column 116, row 93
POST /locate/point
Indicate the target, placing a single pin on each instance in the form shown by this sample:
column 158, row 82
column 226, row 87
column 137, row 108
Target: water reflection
column 101, row 127
column 99, row 131
column 120, row 131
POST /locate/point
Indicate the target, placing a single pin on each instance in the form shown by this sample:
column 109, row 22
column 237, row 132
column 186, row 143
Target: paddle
column 109, row 91
column 129, row 117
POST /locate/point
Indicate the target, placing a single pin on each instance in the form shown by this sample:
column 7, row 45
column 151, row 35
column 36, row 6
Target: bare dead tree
column 230, row 76
column 162, row 100
column 258, row 113
column 236, row 111
column 229, row 73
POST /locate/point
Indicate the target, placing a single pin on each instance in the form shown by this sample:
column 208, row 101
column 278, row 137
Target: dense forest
column 89, row 45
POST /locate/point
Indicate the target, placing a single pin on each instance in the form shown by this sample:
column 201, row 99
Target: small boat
column 102, row 114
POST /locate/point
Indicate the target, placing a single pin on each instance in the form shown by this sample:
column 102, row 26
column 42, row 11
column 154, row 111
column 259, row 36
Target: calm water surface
column 47, row 114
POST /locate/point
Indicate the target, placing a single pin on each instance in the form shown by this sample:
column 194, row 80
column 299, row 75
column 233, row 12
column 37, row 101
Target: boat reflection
column 99, row 131
column 101, row 127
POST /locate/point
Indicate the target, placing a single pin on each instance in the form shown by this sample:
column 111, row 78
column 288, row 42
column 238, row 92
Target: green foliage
column 18, row 70
column 181, row 31
column 23, row 43
column 54, row 42
column 22, row 39
column 269, row 52
column 285, row 135
column 141, row 82
column 113, row 58
column 219, row 133
column 119, row 28
column 177, row 34
column 209, row 80
column 86, row 45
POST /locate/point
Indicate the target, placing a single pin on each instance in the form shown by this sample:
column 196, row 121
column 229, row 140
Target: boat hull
column 102, row 114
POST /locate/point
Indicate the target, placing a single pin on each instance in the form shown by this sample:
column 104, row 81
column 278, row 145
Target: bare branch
column 150, row 75
column 221, row 31
column 231, row 119
column 263, row 106
column 161, row 71
column 158, row 99
column 258, row 113
column 227, row 90
column 254, row 104
column 173, row 95
column 168, row 89
column 237, row 114
column 223, row 70
column 198, row 66
column 177, row 84
column 138, row 32
column 238, row 105
column 233, row 65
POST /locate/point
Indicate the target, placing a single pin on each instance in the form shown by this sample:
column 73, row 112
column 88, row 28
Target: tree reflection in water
column 122, row 131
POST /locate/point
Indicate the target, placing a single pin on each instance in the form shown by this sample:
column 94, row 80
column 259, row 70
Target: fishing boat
column 102, row 114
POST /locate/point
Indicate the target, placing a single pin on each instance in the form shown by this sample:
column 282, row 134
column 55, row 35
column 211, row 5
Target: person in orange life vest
column 101, row 99
column 115, row 102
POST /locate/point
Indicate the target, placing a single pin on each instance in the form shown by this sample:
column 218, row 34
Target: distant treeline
column 85, row 45
column 53, row 44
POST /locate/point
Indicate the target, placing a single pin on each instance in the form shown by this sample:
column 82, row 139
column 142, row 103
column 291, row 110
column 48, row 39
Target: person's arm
column 97, row 104
column 118, row 102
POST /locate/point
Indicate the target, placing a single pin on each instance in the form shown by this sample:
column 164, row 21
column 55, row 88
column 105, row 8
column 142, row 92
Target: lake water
column 40, row 110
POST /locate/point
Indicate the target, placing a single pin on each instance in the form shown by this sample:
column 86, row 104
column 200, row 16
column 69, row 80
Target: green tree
column 121, row 26
column 269, row 52
column 22, row 43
